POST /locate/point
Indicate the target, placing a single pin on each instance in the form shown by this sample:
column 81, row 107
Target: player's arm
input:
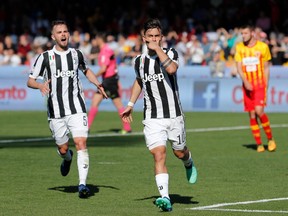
column 166, row 62
column 101, row 71
column 246, row 83
column 43, row 87
column 126, row 115
column 93, row 79
column 267, row 72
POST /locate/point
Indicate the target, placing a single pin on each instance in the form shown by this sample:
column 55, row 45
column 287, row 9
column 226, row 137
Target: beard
column 246, row 42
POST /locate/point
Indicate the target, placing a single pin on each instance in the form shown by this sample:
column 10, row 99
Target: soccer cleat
column 271, row 145
column 164, row 204
column 191, row 174
column 65, row 165
column 260, row 148
column 84, row 191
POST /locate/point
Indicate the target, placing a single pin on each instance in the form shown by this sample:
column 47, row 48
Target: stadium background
column 32, row 19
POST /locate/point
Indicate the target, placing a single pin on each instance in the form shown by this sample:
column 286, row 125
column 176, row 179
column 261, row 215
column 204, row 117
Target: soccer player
column 163, row 115
column 252, row 58
column 110, row 81
column 59, row 67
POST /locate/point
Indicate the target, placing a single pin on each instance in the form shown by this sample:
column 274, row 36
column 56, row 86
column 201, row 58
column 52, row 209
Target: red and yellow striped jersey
column 252, row 59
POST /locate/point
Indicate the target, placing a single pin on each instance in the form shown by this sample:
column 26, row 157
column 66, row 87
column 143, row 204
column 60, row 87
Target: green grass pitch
column 233, row 179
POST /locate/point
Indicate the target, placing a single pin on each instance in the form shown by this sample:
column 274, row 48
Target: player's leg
column 78, row 126
column 249, row 106
column 96, row 100
column 177, row 136
column 156, row 137
column 60, row 133
column 260, row 103
column 120, row 108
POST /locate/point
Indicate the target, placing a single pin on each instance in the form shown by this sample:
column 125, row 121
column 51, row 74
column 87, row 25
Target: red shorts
column 254, row 98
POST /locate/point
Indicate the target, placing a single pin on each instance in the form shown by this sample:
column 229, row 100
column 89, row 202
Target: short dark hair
column 57, row 22
column 152, row 23
column 249, row 26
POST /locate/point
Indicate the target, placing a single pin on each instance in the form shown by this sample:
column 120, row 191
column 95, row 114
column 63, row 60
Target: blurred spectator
column 275, row 48
column 85, row 46
column 182, row 49
column 263, row 21
column 136, row 49
column 217, row 66
column 94, row 52
column 206, row 45
column 23, row 47
column 195, row 50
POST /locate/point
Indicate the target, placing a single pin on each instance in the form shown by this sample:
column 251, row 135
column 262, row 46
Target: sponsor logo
column 206, row 95
column 153, row 77
column 68, row 73
column 13, row 93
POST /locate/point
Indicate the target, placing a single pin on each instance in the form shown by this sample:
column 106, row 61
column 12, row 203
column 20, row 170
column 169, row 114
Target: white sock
column 83, row 165
column 189, row 162
column 162, row 181
column 66, row 156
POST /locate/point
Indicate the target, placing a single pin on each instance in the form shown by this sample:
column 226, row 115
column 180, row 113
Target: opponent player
column 110, row 81
column 65, row 100
column 163, row 116
column 252, row 57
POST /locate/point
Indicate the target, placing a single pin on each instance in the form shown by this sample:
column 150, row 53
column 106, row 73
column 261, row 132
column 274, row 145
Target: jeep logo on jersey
column 68, row 73
column 153, row 77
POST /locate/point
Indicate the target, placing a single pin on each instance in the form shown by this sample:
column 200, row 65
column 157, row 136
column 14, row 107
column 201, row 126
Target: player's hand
column 102, row 91
column 44, row 88
column 126, row 115
column 248, row 86
column 152, row 45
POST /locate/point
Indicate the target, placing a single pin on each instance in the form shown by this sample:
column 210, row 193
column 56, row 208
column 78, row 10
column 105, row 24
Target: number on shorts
column 85, row 122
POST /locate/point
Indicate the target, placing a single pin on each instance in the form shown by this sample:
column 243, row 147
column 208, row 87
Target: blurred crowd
column 203, row 32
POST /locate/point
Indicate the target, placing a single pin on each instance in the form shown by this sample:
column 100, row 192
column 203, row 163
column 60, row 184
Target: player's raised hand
column 126, row 115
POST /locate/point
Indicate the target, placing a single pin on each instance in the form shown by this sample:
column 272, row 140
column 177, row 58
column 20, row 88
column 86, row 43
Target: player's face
column 153, row 35
column 246, row 34
column 61, row 35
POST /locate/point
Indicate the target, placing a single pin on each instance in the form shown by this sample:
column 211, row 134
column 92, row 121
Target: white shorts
column 60, row 128
column 158, row 131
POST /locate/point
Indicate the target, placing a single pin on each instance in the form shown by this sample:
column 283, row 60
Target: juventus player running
column 163, row 115
column 65, row 100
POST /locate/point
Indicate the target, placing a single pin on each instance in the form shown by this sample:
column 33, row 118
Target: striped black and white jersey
column 66, row 95
column 161, row 95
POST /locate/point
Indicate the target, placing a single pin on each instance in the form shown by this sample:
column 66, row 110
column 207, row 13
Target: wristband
column 131, row 104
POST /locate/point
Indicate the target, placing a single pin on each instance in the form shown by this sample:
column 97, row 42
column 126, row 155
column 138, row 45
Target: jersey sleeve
column 137, row 65
column 266, row 54
column 173, row 54
column 39, row 68
column 237, row 56
column 82, row 61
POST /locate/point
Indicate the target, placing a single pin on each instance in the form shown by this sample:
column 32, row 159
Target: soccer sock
column 66, row 156
column 266, row 126
column 162, row 180
column 189, row 162
column 126, row 125
column 91, row 116
column 255, row 130
column 83, row 165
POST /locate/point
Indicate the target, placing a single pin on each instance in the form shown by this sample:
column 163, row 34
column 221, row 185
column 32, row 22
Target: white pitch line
column 195, row 130
column 247, row 210
column 215, row 207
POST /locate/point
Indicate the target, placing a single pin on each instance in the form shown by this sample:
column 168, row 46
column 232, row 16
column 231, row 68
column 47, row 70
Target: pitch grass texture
column 121, row 175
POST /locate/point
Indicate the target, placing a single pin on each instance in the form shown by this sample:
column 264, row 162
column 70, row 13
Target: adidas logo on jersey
column 153, row 77
column 68, row 73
